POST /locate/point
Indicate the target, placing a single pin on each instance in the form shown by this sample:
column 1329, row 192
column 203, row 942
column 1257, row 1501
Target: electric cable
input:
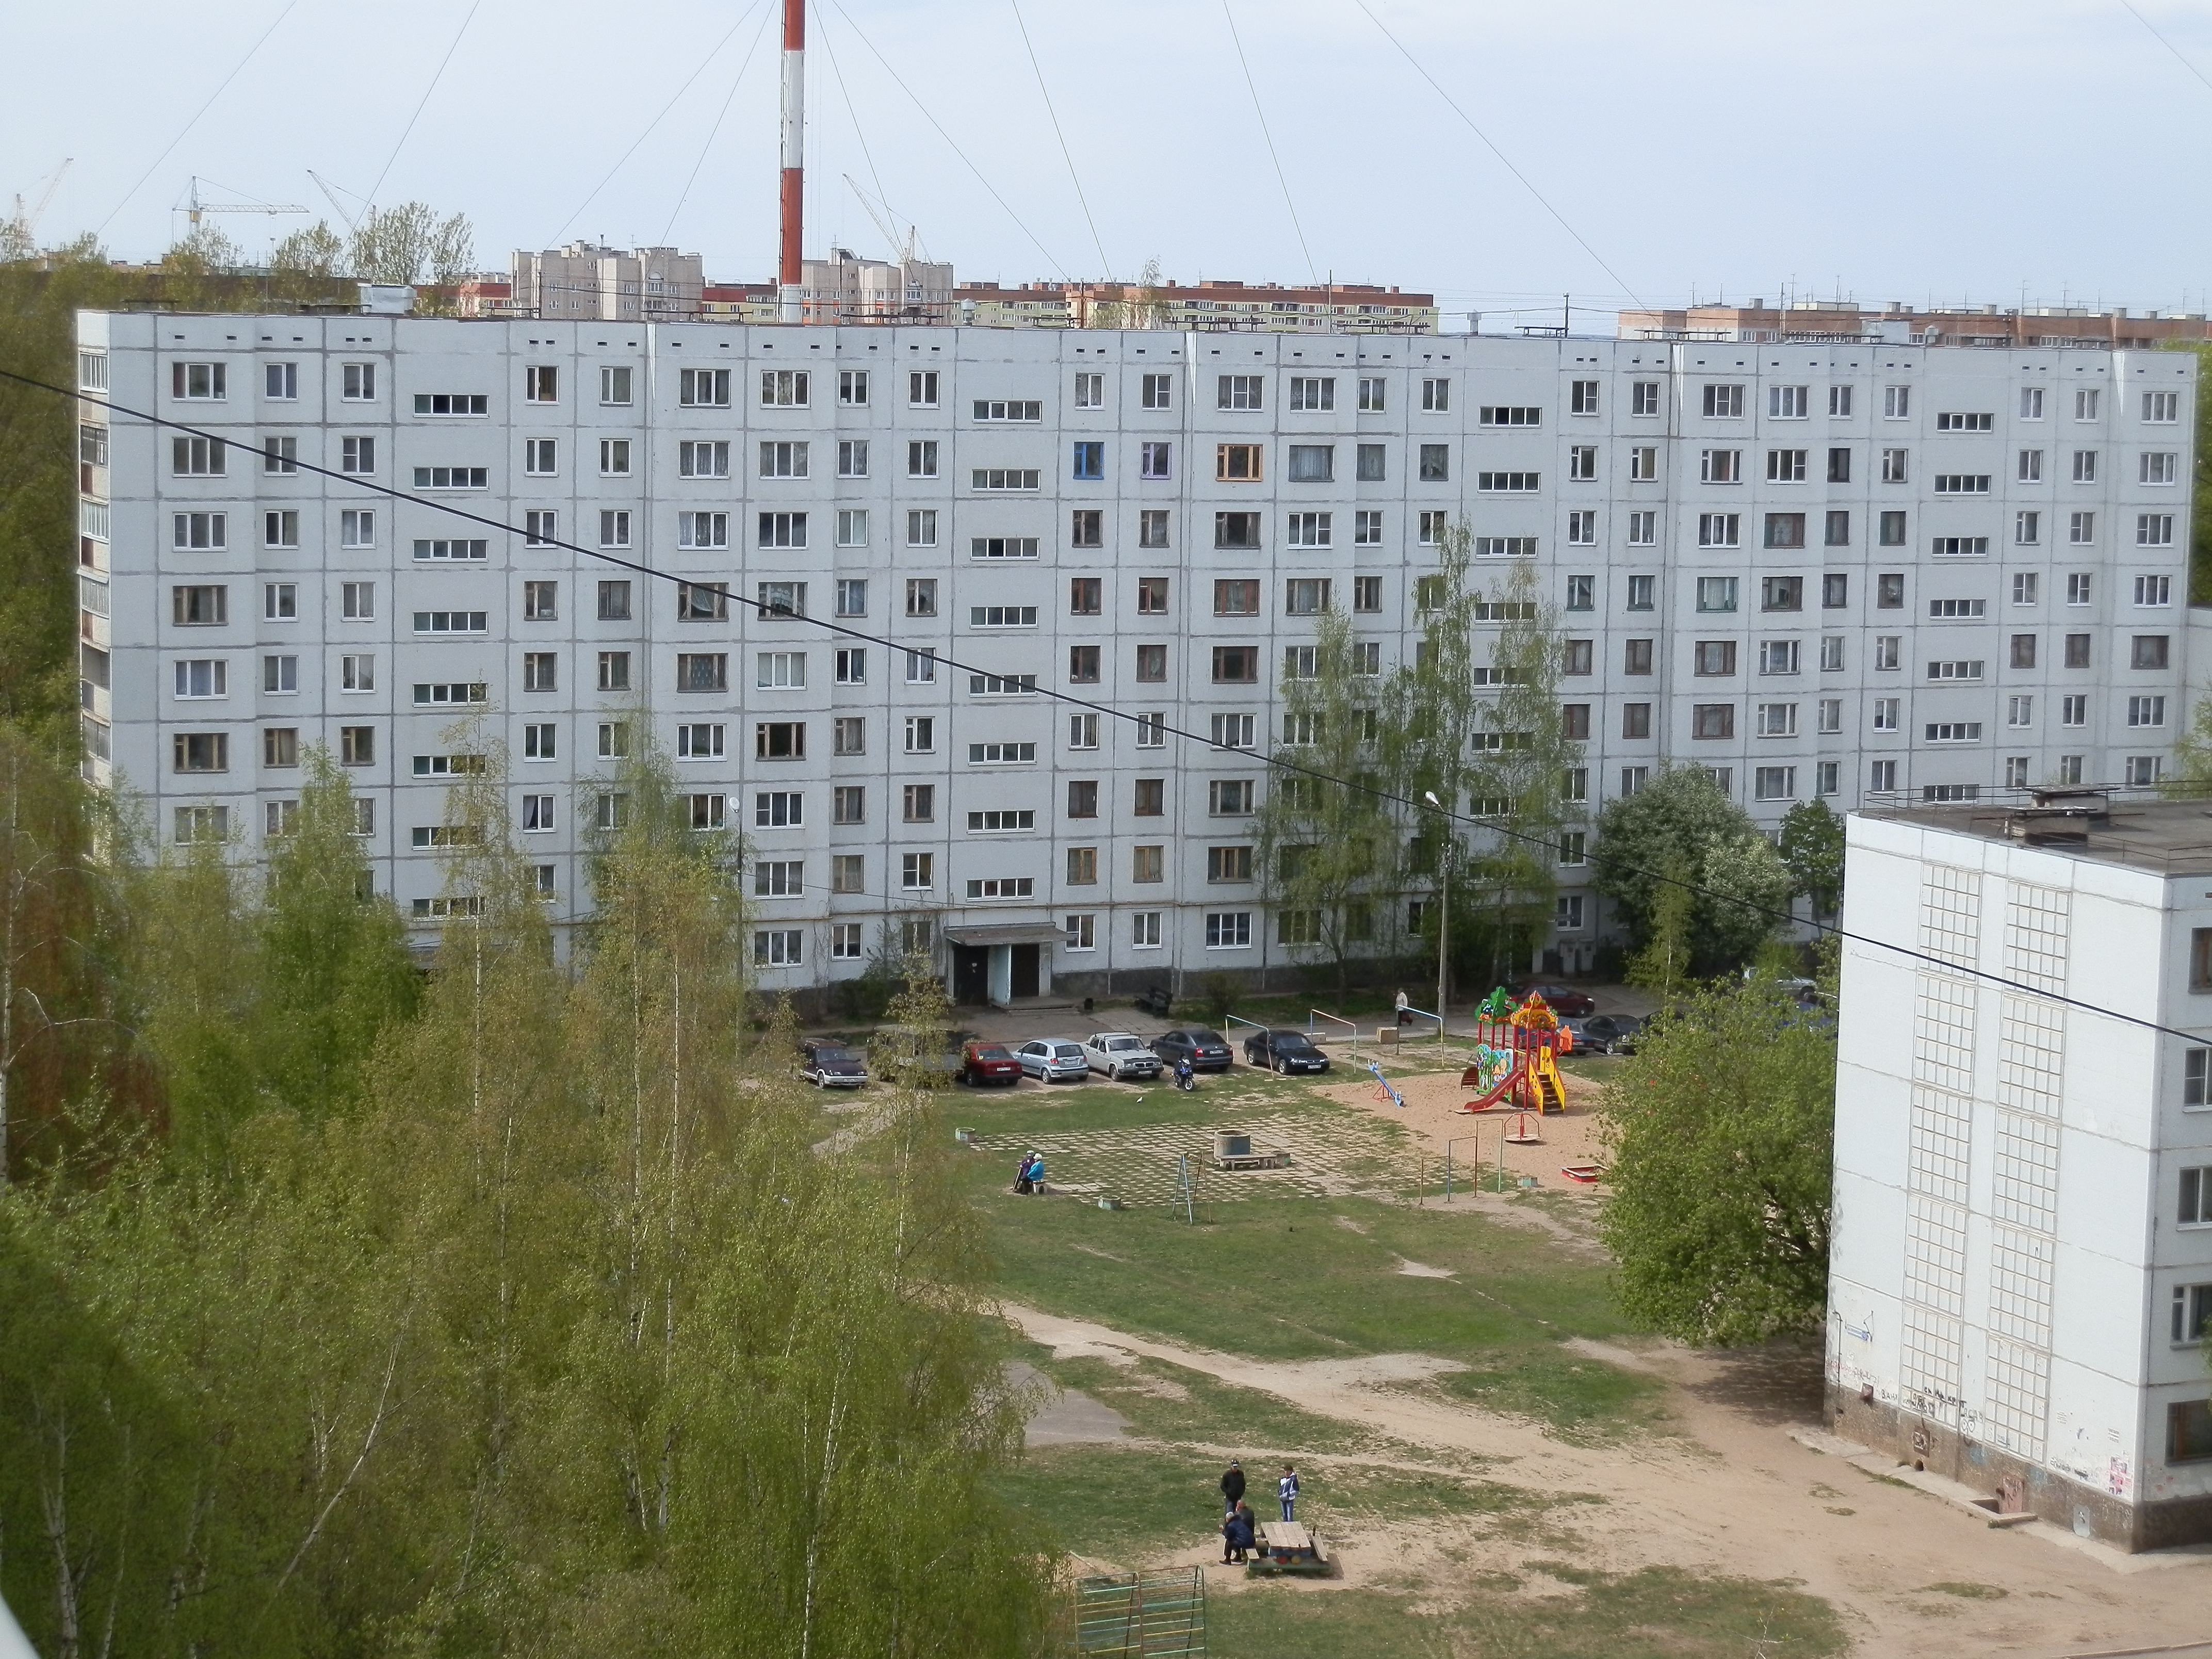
column 1147, row 722
column 408, row 131
column 2167, row 44
column 837, row 69
column 1105, row 265
column 1422, row 69
column 194, row 122
column 715, row 132
column 673, row 100
column 1313, row 272
column 994, row 190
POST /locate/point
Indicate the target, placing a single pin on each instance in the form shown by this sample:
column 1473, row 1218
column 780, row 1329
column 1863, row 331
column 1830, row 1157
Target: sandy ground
column 1731, row 1493
column 1432, row 1112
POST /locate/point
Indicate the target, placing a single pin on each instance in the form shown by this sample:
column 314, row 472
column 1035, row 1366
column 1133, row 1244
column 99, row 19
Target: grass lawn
column 1294, row 1277
column 1657, row 1613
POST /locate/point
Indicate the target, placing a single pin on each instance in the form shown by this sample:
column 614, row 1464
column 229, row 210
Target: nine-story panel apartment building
column 1836, row 570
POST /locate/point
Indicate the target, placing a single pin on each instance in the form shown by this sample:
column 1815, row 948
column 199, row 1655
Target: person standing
column 1286, row 1492
column 1233, row 1486
column 1405, row 1007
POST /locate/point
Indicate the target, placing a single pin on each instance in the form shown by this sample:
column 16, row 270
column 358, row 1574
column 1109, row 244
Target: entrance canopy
column 988, row 934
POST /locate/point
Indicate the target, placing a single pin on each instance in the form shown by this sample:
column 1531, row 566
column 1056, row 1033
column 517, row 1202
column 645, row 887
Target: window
column 921, row 389
column 848, row 735
column 1635, row 720
column 2189, row 1431
column 614, row 671
column 1712, row 720
column 200, row 751
column 920, row 667
column 280, row 601
column 776, row 947
column 2146, row 711
column 1953, row 732
column 281, row 529
column 1082, row 664
column 779, row 809
column 772, row 739
column 1723, row 402
column 1785, row 530
column 279, row 455
column 1778, row 656
column 199, row 607
column 1313, row 393
column 196, row 532
column 2192, row 1311
column 200, row 381
column 614, row 528
column 780, row 671
column 2073, row 710
column 541, row 527
column 2023, row 650
column 1716, row 593
column 209, row 676
column 920, row 734
column 699, row 742
column 2154, row 530
column 357, row 527
column 194, row 458
column 1644, row 397
column 2148, row 651
column 848, row 803
column 1238, row 463
column 1962, row 483
column 1636, row 657
column 1089, row 462
column 2084, row 405
column 1955, row 668
column 1786, row 465
column 1305, row 596
column 1719, row 530
column 707, row 671
column 1229, row 929
column 1713, row 657
column 1643, row 464
column 1083, row 732
column 2019, row 711
column 782, row 388
column 1640, row 589
column 1435, row 468
column 1228, row 864
column 1774, row 783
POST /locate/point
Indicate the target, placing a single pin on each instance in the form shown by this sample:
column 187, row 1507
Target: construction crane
column 194, row 207
column 903, row 250
column 331, row 193
column 26, row 218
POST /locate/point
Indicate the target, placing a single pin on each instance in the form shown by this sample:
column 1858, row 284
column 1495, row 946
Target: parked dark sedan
column 1607, row 1034
column 1286, row 1052
column 989, row 1064
column 1562, row 999
column 828, row 1064
column 1207, row 1051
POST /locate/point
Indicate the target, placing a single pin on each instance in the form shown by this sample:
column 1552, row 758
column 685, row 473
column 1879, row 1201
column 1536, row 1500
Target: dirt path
column 1732, row 1494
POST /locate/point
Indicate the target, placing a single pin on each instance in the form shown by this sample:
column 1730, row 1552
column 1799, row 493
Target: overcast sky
column 1956, row 150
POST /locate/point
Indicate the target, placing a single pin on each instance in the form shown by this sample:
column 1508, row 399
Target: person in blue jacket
column 1238, row 1536
column 1286, row 1492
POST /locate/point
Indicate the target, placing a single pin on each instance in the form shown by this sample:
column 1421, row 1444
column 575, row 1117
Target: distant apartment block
column 1850, row 572
column 1808, row 321
column 583, row 282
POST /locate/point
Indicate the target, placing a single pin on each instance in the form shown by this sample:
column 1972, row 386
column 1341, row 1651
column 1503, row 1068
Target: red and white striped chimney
column 794, row 175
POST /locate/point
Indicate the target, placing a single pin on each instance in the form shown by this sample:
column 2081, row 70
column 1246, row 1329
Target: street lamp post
column 1443, row 908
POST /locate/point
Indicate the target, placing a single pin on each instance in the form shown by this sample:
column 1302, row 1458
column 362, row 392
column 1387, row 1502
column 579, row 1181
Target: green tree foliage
column 2200, row 515
column 306, row 264
column 39, row 440
column 1813, row 849
column 556, row 1328
column 1721, row 1138
column 410, row 244
column 1663, row 963
column 268, row 990
column 1682, row 820
column 1325, row 848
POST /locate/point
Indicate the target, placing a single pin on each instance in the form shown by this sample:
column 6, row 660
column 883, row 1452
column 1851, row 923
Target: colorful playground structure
column 1516, row 1065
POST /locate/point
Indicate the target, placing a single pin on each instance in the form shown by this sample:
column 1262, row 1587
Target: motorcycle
column 1185, row 1078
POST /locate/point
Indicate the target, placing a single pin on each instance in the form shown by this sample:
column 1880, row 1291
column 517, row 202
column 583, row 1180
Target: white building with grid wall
column 1835, row 570
column 2021, row 1270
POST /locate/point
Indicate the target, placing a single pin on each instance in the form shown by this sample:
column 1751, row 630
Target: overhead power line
column 1105, row 265
column 1504, row 160
column 1055, row 264
column 233, row 74
column 1147, row 721
column 1313, row 273
column 2167, row 44
column 408, row 131
column 656, row 121
column 715, row 132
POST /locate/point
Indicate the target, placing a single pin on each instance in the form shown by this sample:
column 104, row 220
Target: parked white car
column 1054, row 1060
column 1121, row 1055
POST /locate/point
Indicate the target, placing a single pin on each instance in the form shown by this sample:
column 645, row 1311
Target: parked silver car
column 1121, row 1055
column 1054, row 1060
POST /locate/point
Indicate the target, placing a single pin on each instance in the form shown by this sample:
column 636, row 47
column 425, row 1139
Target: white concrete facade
column 1692, row 639
column 2020, row 1215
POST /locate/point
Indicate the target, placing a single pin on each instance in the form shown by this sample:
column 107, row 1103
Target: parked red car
column 1562, row 999
column 986, row 1065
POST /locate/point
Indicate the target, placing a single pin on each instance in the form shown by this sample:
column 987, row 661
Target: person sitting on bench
column 1238, row 1535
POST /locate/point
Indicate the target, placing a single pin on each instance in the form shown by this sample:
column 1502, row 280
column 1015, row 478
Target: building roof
column 2142, row 830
